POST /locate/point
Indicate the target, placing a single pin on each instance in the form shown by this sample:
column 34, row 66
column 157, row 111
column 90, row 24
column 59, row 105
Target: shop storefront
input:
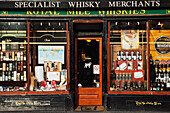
column 84, row 56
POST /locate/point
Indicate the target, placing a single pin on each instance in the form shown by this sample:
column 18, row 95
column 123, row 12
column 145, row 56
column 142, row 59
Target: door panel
column 88, row 81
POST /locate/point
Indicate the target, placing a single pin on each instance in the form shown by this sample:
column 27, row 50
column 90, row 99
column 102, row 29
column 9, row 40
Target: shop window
column 128, row 48
column 49, row 56
column 159, row 55
column 13, row 56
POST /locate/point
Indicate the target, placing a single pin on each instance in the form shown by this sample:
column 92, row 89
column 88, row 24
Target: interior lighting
column 59, row 24
column 9, row 23
column 128, row 23
column 115, row 23
column 159, row 23
column 41, row 24
column 88, row 40
column 138, row 23
column 19, row 23
column 97, row 40
column 49, row 24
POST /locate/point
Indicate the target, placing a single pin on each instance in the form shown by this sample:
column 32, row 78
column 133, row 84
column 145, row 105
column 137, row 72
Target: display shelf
column 12, row 83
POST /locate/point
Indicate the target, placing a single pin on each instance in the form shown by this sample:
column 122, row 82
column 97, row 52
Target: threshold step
column 89, row 108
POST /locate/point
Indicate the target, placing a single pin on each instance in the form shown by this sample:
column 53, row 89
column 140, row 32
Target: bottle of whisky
column 158, row 86
column 162, row 73
column 127, row 55
column 117, row 67
column 47, row 67
column 0, row 76
column 118, row 55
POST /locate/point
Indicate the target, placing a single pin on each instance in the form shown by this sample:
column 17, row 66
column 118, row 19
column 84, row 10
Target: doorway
column 88, row 71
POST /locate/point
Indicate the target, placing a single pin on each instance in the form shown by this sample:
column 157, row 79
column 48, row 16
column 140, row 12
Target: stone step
column 89, row 108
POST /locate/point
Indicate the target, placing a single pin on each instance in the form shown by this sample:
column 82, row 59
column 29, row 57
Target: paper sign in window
column 53, row 75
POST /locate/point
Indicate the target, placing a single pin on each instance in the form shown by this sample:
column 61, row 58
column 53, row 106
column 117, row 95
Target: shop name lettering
column 139, row 103
column 109, row 12
column 87, row 4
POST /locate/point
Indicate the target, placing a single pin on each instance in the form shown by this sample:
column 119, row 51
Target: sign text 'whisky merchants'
column 87, row 4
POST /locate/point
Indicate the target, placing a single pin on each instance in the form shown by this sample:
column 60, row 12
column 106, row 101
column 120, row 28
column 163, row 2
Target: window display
column 49, row 53
column 159, row 56
column 128, row 56
column 13, row 56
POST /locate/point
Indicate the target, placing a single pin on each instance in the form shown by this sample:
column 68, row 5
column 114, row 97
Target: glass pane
column 48, row 53
column 128, row 50
column 13, row 56
column 159, row 55
column 87, row 57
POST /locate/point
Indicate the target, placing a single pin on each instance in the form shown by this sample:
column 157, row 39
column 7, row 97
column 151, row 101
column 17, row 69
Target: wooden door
column 88, row 71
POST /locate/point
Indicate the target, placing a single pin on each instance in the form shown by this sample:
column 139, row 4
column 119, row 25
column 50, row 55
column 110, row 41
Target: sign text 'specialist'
column 86, row 4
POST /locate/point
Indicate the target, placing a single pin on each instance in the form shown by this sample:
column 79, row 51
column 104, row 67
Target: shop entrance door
column 88, row 71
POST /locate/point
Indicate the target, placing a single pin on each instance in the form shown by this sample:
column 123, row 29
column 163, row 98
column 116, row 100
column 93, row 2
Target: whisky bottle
column 127, row 55
column 22, row 56
column 12, row 76
column 117, row 67
column 7, row 57
column 9, row 76
column 168, row 85
column 47, row 67
column 6, row 76
column 3, row 76
column 1, row 56
column 15, row 75
column 162, row 74
column 25, row 76
column 0, row 76
column 118, row 55
column 130, row 58
column 124, row 56
column 123, row 85
column 10, row 66
column 118, row 84
column 140, row 56
column 137, row 55
column 18, row 56
column 132, row 55
column 128, row 85
column 129, row 65
column 13, row 56
column 7, row 67
column 121, row 55
column 151, row 86
column 127, row 76
column 3, row 66
column 25, row 58
column 4, row 56
column 158, row 85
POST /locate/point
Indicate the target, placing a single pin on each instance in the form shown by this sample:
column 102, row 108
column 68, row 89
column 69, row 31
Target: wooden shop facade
column 71, row 55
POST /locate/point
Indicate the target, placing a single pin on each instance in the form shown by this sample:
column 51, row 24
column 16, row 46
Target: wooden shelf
column 12, row 83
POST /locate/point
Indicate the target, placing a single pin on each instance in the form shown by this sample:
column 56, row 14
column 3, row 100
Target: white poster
column 96, row 69
column 39, row 73
column 53, row 75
